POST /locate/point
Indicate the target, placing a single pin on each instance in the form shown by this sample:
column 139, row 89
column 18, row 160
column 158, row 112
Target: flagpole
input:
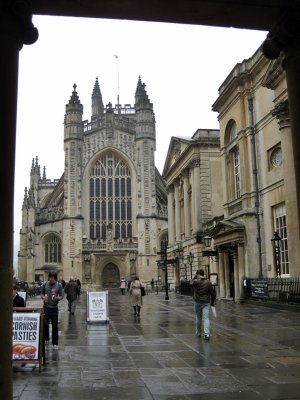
column 118, row 77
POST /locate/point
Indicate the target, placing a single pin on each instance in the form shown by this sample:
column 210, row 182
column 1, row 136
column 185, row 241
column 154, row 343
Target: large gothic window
column 52, row 249
column 110, row 199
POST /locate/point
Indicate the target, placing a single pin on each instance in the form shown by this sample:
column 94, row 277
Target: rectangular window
column 59, row 253
column 103, row 187
column 97, row 231
column 281, row 229
column 97, row 182
column 237, row 172
column 110, row 187
column 117, row 190
column 103, row 210
column 47, row 252
column 92, row 235
column 97, row 206
column 123, row 187
column 91, row 188
column 123, row 210
column 91, row 210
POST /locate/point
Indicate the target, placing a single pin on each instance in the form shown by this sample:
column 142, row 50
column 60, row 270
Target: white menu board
column 26, row 335
column 97, row 306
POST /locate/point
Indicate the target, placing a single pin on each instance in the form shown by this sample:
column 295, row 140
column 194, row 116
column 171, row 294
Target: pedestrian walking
column 152, row 284
column 63, row 282
column 18, row 300
column 72, row 291
column 52, row 293
column 135, row 291
column 204, row 297
column 123, row 286
column 128, row 285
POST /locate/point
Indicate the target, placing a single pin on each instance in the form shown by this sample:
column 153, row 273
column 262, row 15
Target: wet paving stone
column 253, row 354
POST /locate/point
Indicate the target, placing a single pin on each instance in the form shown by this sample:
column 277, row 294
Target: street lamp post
column 166, row 276
column 164, row 260
column 185, row 267
column 190, row 260
column 276, row 239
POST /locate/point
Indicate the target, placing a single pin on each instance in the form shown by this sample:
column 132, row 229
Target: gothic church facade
column 106, row 216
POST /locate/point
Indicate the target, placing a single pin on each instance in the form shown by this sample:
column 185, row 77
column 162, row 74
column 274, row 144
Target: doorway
column 110, row 276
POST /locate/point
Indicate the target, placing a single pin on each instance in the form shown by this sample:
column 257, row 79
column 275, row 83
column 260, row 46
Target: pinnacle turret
column 97, row 102
column 25, row 199
column 73, row 117
column 31, row 200
column 35, row 168
column 74, row 102
column 74, row 99
column 141, row 96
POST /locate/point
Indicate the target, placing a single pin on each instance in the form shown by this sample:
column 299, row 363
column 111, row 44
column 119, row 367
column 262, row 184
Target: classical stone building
column 105, row 217
column 258, row 177
column 192, row 175
column 230, row 190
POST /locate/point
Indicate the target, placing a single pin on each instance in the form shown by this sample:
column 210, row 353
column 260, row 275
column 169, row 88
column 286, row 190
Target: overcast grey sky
column 182, row 66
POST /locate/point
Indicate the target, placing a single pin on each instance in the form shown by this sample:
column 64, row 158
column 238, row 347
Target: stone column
column 241, row 267
column 221, row 274
column 285, row 38
column 281, row 112
column 177, row 212
column 196, row 195
column 16, row 29
column 226, row 275
column 171, row 217
column 187, row 222
column 236, row 277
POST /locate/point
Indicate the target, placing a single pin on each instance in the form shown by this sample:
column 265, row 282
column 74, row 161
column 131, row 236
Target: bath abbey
column 106, row 216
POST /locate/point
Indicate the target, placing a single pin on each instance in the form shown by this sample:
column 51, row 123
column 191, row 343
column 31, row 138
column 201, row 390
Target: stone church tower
column 107, row 215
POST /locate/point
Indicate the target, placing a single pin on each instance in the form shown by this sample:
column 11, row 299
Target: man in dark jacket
column 18, row 300
column 72, row 291
column 204, row 297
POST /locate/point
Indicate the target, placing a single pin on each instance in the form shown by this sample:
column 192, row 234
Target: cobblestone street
column 253, row 353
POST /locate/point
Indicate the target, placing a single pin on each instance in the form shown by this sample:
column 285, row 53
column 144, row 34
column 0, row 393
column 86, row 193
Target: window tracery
column 53, row 249
column 110, row 198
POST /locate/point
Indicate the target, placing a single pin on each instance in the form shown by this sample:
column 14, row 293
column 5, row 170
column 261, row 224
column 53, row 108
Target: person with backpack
column 51, row 293
column 72, row 291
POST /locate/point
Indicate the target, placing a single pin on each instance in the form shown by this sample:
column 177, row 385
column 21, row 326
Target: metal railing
column 186, row 288
column 274, row 289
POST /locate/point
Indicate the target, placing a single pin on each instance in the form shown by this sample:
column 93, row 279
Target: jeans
column 51, row 314
column 202, row 312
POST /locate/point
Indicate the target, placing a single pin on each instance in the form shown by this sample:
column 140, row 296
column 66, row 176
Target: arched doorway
column 110, row 276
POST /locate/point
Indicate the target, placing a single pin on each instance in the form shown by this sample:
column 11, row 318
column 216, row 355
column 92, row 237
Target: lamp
column 276, row 240
column 212, row 254
column 178, row 258
column 190, row 261
column 207, row 241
